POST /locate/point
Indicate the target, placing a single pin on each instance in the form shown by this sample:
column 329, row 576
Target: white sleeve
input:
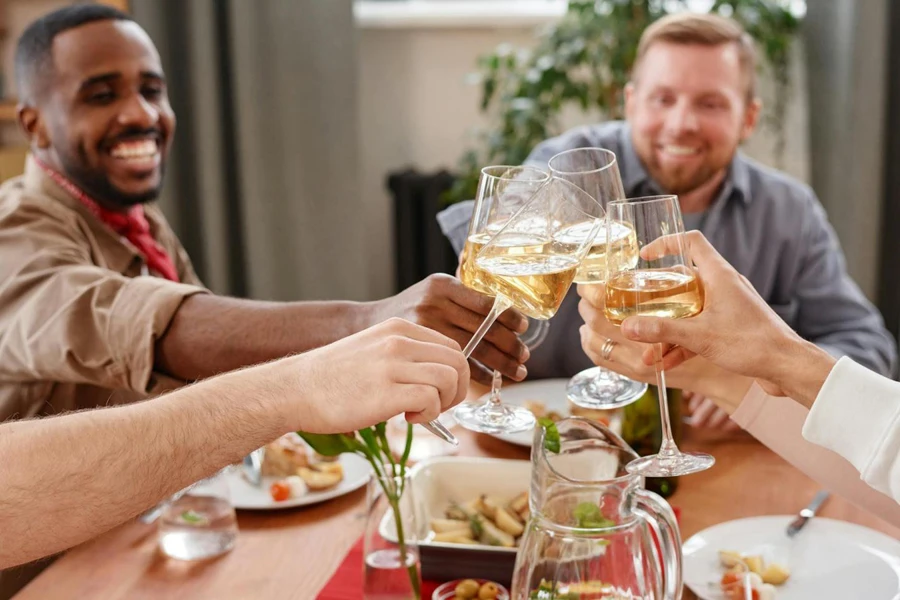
column 857, row 415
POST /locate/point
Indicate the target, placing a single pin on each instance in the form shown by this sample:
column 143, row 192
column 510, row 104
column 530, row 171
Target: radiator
column 420, row 247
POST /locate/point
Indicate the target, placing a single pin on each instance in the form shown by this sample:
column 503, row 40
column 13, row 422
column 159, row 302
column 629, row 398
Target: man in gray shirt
column 689, row 105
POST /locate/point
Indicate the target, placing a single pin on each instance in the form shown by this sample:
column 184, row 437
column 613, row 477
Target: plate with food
column 547, row 398
column 294, row 475
column 828, row 559
column 474, row 511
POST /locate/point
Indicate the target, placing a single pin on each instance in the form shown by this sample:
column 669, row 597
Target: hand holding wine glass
column 662, row 283
column 737, row 329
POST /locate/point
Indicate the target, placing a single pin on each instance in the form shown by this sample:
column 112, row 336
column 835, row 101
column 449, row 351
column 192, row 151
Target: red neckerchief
column 132, row 225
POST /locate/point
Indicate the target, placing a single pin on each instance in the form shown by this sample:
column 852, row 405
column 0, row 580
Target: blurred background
column 317, row 138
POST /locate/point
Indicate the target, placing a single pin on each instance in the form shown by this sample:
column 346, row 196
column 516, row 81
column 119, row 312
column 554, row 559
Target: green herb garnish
column 551, row 435
column 192, row 517
column 588, row 516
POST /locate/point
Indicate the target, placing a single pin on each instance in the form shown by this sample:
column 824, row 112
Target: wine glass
column 595, row 171
column 502, row 190
column 661, row 283
column 530, row 264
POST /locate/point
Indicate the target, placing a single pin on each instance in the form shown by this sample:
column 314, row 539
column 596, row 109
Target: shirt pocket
column 787, row 311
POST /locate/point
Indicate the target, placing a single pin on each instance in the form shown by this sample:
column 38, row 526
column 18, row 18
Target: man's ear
column 32, row 124
column 629, row 98
column 751, row 118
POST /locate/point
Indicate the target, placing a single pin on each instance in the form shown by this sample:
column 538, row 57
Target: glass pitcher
column 594, row 529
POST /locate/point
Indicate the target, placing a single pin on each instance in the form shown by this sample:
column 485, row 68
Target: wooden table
column 292, row 553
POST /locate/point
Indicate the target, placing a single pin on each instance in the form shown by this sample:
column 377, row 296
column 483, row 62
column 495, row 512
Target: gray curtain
column 262, row 185
column 847, row 49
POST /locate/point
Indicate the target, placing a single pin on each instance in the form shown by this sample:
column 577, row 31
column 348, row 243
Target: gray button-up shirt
column 769, row 226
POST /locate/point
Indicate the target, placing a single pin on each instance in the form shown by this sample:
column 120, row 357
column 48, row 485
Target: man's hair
column 34, row 50
column 706, row 30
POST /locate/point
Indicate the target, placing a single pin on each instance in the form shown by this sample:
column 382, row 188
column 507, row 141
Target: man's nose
column 138, row 113
column 682, row 118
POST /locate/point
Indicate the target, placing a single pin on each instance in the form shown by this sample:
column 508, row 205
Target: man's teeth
column 141, row 149
column 680, row 150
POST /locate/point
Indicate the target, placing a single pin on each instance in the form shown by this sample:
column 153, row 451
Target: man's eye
column 101, row 97
column 152, row 92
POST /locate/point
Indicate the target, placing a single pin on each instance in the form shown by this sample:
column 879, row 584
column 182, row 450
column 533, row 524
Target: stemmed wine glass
column 530, row 264
column 661, row 283
column 502, row 191
column 596, row 171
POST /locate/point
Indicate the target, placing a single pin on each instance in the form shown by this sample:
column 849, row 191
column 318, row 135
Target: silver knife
column 807, row 513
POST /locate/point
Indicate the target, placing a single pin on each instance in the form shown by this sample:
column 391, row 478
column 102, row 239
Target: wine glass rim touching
column 505, row 173
column 576, row 190
column 610, row 153
column 645, row 199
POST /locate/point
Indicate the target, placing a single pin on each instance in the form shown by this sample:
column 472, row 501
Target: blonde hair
column 706, row 30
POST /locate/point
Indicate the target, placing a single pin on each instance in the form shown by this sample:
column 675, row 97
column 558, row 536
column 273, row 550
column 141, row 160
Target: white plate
column 244, row 495
column 828, row 559
column 550, row 392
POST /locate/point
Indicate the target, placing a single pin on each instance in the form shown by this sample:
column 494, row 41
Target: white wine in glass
column 526, row 266
column 596, row 171
column 673, row 293
column 663, row 284
column 535, row 284
column 605, row 256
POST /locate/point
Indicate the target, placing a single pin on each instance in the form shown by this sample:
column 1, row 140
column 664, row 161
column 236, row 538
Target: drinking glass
column 530, row 264
column 661, row 283
column 502, row 191
column 596, row 171
column 200, row 522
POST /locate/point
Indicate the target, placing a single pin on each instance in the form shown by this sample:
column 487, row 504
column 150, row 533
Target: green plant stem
column 406, row 450
column 393, row 498
column 401, row 542
column 386, row 449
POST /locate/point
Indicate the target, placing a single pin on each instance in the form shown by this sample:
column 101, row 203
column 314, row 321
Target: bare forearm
column 212, row 334
column 67, row 479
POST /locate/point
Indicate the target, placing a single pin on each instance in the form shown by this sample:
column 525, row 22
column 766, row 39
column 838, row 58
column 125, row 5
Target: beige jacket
column 79, row 315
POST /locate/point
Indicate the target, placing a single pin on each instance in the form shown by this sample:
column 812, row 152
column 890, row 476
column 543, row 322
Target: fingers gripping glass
column 660, row 283
column 596, row 171
column 529, row 264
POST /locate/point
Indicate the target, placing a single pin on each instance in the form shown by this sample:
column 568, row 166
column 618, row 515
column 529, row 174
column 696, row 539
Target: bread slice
column 285, row 457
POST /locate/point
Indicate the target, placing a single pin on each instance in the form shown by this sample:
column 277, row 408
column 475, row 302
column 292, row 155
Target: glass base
column 682, row 463
column 602, row 389
column 486, row 417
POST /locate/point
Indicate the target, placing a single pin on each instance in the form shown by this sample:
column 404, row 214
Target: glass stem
column 668, row 449
column 500, row 304
column 496, row 383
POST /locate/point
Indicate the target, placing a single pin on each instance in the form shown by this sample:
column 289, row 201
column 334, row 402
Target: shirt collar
column 119, row 252
column 635, row 178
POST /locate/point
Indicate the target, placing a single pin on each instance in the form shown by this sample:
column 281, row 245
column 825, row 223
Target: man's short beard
column 98, row 186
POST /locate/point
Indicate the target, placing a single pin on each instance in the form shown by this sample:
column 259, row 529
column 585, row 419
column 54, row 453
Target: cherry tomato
column 280, row 491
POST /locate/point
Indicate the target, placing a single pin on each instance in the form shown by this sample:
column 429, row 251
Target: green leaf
column 331, row 444
column 194, row 518
column 551, row 435
column 588, row 516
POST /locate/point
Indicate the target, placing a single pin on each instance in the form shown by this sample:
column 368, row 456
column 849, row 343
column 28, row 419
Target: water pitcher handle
column 661, row 519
